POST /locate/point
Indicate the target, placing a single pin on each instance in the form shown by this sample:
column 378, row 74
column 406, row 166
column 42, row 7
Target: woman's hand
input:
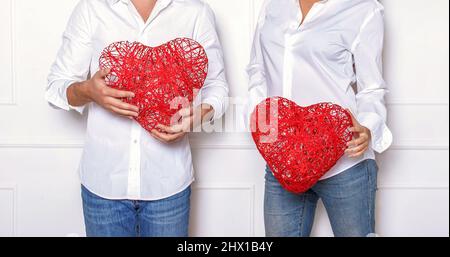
column 96, row 90
column 361, row 142
column 185, row 120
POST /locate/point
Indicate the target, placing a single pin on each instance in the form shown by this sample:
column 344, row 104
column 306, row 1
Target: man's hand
column 96, row 90
column 362, row 137
column 185, row 120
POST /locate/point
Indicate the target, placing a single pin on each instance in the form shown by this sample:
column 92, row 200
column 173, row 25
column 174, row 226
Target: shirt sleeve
column 371, row 87
column 215, row 90
column 257, row 88
column 73, row 59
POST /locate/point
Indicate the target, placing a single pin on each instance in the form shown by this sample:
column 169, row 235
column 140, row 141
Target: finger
column 186, row 124
column 357, row 129
column 161, row 135
column 167, row 138
column 177, row 137
column 171, row 130
column 119, row 93
column 358, row 141
column 102, row 73
column 177, row 128
column 122, row 112
column 122, row 105
column 156, row 134
column 357, row 149
column 185, row 112
column 358, row 154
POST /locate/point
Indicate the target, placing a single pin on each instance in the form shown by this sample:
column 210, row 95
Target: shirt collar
column 112, row 2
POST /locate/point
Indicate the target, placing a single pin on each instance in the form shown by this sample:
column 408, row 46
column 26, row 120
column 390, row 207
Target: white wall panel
column 414, row 168
column 416, row 52
column 38, row 34
column 6, row 54
column 223, row 210
column 7, row 210
column 48, row 192
column 413, row 212
column 234, row 30
column 419, row 124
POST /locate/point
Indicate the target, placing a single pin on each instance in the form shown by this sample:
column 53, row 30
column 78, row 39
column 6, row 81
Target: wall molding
column 249, row 145
column 12, row 35
column 443, row 188
column 12, row 188
column 417, row 102
column 213, row 142
column 234, row 186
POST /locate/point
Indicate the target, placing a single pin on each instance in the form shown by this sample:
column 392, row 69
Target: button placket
column 134, row 172
column 287, row 67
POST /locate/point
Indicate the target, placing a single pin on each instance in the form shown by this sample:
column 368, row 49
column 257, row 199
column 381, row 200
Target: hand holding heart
column 362, row 136
column 164, row 79
column 153, row 85
column 301, row 144
column 110, row 98
column 184, row 121
column 96, row 90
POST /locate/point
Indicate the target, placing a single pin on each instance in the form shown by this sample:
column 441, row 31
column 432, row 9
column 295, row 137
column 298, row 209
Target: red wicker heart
column 300, row 144
column 164, row 78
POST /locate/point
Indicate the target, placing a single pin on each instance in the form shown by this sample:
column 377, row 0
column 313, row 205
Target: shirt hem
column 184, row 187
column 326, row 176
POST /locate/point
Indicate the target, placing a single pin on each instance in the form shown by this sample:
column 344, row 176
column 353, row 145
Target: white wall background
column 40, row 147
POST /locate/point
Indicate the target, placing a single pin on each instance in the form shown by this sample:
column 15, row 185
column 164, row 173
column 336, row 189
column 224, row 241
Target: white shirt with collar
column 121, row 160
column 338, row 45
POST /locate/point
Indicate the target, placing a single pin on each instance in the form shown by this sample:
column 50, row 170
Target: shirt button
column 135, row 141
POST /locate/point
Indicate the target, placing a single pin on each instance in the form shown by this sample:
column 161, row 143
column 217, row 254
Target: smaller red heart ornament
column 300, row 144
column 164, row 79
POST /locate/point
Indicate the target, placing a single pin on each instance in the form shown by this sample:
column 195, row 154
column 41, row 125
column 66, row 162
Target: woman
column 133, row 183
column 325, row 51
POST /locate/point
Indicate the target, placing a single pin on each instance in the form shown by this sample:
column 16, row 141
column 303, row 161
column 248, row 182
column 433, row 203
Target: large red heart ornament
column 300, row 144
column 164, row 79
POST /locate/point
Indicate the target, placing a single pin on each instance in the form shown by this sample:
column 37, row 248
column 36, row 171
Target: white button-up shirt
column 121, row 160
column 335, row 55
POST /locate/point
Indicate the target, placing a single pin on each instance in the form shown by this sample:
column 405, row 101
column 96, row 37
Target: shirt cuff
column 217, row 107
column 56, row 96
column 382, row 137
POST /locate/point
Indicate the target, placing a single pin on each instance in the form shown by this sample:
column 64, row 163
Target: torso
column 307, row 52
column 144, row 8
column 305, row 7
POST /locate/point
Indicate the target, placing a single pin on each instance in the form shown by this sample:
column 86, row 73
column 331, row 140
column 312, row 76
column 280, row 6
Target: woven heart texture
column 164, row 79
column 300, row 144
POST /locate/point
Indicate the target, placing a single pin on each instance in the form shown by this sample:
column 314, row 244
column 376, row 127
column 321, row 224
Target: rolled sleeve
column 57, row 96
column 371, row 87
column 215, row 90
column 381, row 135
column 72, row 61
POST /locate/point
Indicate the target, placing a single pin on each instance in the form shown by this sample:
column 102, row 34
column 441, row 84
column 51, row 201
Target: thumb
column 186, row 112
column 103, row 73
column 355, row 122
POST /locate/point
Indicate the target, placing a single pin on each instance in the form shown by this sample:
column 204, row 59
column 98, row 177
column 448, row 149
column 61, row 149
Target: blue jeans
column 125, row 218
column 349, row 199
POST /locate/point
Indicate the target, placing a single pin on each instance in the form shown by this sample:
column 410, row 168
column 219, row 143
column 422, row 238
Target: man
column 134, row 183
